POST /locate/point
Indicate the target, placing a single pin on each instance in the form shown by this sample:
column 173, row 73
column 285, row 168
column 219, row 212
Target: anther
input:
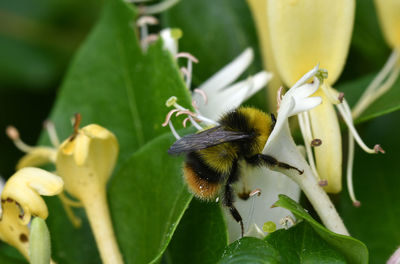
column 187, row 55
column 171, row 101
column 357, row 203
column 378, row 149
column 12, row 132
column 255, row 192
column 341, row 97
column 323, row 183
column 146, row 20
column 168, row 117
column 203, row 94
column 316, row 142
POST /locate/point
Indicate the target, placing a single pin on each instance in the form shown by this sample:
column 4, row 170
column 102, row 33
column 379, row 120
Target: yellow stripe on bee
column 261, row 122
column 220, row 157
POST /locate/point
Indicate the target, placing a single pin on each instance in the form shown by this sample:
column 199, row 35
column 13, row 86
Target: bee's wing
column 207, row 138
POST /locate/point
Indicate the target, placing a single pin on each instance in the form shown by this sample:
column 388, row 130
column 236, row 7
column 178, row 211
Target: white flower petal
column 271, row 185
column 305, row 105
column 228, row 74
column 170, row 43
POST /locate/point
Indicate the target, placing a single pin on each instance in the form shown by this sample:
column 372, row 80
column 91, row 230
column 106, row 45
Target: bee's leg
column 228, row 195
column 260, row 159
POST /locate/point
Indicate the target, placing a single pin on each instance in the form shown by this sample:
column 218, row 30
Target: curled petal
column 26, row 186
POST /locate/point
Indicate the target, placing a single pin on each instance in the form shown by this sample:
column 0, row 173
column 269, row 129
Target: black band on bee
column 203, row 171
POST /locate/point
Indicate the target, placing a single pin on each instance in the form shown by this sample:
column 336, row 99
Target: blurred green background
column 38, row 39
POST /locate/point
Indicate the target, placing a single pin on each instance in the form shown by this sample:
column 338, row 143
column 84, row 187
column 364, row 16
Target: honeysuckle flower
column 302, row 34
column 37, row 156
column 85, row 161
column 395, row 258
column 20, row 199
column 389, row 18
column 281, row 146
column 222, row 94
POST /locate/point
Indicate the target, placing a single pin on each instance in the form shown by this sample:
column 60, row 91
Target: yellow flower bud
column 22, row 191
column 389, row 18
column 85, row 161
column 304, row 33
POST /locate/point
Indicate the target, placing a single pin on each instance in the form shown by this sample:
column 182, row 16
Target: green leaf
column 250, row 250
column 112, row 83
column 301, row 244
column 389, row 102
column 201, row 235
column 354, row 250
column 147, row 199
column 376, row 184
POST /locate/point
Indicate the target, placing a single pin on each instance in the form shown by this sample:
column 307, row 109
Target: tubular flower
column 20, row 199
column 388, row 14
column 302, row 34
column 281, row 146
column 85, row 161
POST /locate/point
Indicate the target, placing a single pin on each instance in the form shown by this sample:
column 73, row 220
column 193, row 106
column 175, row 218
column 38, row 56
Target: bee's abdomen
column 200, row 187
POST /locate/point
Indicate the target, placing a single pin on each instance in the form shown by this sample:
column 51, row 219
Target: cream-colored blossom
column 20, row 199
column 85, row 161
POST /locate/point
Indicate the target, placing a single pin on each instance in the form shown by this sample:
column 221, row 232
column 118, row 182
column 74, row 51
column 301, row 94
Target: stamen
column 378, row 149
column 137, row 1
column 187, row 56
column 51, row 130
column 203, row 94
column 255, row 193
column 190, row 61
column 185, row 121
column 185, row 112
column 144, row 42
column 316, row 142
column 349, row 171
column 345, row 112
column 195, row 106
column 279, row 98
column 305, row 127
column 146, row 20
column 77, row 122
column 185, row 72
column 168, row 117
column 157, row 8
column 171, row 126
column 13, row 134
column 376, row 88
column 341, row 97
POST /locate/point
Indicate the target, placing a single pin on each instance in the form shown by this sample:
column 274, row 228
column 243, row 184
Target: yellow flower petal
column 304, row 33
column 389, row 18
column 259, row 11
column 26, row 186
column 325, row 126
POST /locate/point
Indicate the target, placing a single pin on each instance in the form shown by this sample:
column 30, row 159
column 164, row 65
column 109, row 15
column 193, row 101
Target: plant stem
column 96, row 208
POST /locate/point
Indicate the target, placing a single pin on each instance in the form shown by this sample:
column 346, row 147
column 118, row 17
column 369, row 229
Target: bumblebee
column 213, row 155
